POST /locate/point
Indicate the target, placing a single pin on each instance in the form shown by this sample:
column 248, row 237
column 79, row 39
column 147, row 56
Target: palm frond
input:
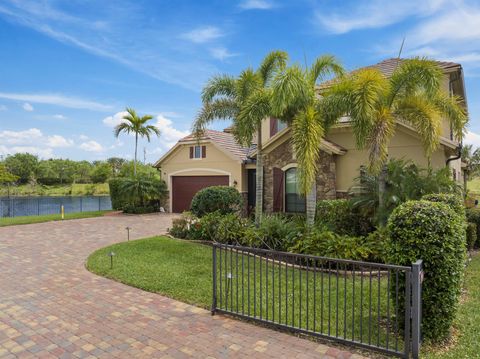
column 273, row 62
column 453, row 108
column 220, row 85
column 248, row 81
column 368, row 89
column 307, row 133
column 324, row 66
column 420, row 113
column 221, row 108
column 335, row 102
column 378, row 139
column 253, row 111
column 291, row 92
column 122, row 127
column 413, row 74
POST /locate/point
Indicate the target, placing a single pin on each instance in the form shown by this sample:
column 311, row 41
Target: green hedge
column 471, row 235
column 434, row 233
column 119, row 202
column 223, row 199
column 473, row 216
column 454, row 201
column 339, row 216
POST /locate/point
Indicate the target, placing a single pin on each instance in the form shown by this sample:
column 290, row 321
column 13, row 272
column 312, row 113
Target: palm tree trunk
column 311, row 205
column 135, row 160
column 259, row 179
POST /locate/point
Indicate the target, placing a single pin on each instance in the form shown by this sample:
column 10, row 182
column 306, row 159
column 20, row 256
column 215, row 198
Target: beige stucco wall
column 403, row 145
column 216, row 162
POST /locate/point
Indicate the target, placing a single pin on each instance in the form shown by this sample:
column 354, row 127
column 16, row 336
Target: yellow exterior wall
column 403, row 145
column 216, row 162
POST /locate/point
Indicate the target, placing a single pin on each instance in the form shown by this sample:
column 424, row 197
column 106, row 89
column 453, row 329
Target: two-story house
column 217, row 159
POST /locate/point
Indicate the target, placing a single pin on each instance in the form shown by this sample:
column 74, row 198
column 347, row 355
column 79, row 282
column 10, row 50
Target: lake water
column 38, row 205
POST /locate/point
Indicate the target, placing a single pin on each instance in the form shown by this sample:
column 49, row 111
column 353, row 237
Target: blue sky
column 69, row 68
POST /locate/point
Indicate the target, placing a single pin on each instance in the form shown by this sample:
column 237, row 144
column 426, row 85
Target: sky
column 68, row 69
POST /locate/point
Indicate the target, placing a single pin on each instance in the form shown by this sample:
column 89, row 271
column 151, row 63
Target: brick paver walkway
column 52, row 307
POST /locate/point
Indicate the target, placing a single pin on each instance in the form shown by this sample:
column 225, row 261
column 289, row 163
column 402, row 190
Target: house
column 217, row 159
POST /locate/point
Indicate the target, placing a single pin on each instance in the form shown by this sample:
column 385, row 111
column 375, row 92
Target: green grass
column 466, row 340
column 183, row 270
column 78, row 189
column 473, row 186
column 10, row 221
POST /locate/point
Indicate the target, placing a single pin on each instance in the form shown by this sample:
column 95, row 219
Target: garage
column 185, row 187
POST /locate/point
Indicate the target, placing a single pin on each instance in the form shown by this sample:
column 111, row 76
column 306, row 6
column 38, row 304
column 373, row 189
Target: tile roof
column 223, row 139
column 388, row 66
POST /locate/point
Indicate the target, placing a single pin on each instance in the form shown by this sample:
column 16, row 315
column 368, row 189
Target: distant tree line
column 27, row 168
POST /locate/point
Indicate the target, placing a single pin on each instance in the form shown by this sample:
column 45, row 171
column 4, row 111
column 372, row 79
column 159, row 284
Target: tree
column 22, row 165
column 137, row 125
column 246, row 101
column 116, row 164
column 5, row 176
column 295, row 100
column 101, row 172
column 374, row 104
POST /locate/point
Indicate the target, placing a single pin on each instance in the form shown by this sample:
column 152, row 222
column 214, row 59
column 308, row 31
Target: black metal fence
column 35, row 206
column 370, row 305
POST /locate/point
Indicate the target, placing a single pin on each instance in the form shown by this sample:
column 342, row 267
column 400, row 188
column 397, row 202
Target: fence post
column 99, row 203
column 417, row 278
column 214, row 287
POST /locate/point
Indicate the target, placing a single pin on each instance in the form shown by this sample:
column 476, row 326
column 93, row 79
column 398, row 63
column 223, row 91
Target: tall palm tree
column 245, row 100
column 137, row 125
column 375, row 103
column 295, row 99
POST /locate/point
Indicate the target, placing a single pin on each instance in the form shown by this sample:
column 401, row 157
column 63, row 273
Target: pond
column 39, row 205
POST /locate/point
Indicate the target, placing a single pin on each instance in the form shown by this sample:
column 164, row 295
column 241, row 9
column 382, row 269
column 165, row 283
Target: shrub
column 339, row 216
column 118, row 201
column 473, row 216
column 325, row 243
column 141, row 194
column 276, row 232
column 434, row 233
column 231, row 229
column 454, row 201
column 471, row 235
column 223, row 199
column 180, row 228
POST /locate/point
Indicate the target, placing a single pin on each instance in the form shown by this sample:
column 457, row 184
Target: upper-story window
column 276, row 125
column 198, row 152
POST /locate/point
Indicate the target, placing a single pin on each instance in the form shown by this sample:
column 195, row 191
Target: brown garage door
column 185, row 187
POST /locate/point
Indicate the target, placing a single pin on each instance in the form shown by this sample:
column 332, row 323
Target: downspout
column 456, row 157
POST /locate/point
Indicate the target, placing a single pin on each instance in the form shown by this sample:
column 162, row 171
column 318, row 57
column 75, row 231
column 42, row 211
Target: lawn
column 76, row 189
column 183, row 270
column 10, row 221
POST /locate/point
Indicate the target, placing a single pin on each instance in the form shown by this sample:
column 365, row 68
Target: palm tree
column 137, row 125
column 295, row 99
column 245, row 100
column 375, row 103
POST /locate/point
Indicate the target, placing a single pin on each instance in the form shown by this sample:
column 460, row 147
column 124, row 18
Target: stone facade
column 282, row 156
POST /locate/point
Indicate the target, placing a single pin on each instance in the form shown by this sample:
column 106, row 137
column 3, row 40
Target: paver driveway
column 52, row 307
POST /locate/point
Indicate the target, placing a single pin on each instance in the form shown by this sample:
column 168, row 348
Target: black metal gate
column 369, row 305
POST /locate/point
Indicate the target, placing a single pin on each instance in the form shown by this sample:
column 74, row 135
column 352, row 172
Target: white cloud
column 3, row 108
column 21, row 141
column 472, row 138
column 112, row 121
column 221, row 53
column 83, row 137
column 59, row 117
column 27, row 107
column 203, row 34
column 58, row 141
column 92, row 146
column 169, row 135
column 256, row 4
column 374, row 14
column 57, row 100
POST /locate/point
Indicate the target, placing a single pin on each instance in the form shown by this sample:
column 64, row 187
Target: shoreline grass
column 13, row 221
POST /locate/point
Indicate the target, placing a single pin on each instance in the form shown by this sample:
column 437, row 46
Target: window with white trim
column 294, row 201
column 197, row 152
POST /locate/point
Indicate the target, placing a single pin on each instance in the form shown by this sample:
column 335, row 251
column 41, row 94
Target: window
column 276, row 125
column 294, row 202
column 198, row 152
column 281, row 125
